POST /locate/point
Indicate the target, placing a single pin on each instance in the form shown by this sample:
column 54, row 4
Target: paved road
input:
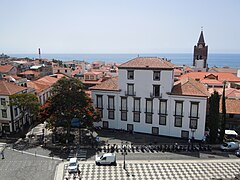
column 157, row 170
column 18, row 166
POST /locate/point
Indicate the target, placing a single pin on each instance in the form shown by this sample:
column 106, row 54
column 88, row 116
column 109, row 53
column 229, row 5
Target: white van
column 73, row 165
column 108, row 158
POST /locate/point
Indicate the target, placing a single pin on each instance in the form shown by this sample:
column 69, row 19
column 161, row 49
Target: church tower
column 200, row 55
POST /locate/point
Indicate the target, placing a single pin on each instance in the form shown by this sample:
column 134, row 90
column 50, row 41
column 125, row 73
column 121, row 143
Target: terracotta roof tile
column 30, row 72
column 189, row 87
column 147, row 62
column 42, row 83
column 8, row 88
column 109, row 85
column 221, row 76
column 232, row 106
column 5, row 68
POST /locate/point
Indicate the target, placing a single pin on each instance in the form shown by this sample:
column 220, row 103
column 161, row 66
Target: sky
column 118, row 26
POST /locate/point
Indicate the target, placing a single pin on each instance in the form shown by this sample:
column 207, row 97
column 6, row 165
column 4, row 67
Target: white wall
column 143, row 85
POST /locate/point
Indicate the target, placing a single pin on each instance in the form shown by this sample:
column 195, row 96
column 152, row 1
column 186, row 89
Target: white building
column 143, row 98
column 10, row 116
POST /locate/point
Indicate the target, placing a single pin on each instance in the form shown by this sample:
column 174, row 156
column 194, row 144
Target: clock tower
column 200, row 55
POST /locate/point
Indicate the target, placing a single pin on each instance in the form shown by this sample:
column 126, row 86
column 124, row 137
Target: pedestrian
column 2, row 154
column 78, row 171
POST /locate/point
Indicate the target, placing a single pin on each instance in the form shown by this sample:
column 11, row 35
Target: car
column 106, row 159
column 73, row 165
column 237, row 153
column 229, row 146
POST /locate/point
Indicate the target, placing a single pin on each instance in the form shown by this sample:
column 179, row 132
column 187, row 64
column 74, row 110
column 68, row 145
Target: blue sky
column 123, row 26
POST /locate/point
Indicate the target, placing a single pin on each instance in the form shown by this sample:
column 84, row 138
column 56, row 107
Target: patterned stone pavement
column 18, row 166
column 198, row 169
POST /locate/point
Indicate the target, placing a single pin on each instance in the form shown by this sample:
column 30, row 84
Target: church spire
column 201, row 39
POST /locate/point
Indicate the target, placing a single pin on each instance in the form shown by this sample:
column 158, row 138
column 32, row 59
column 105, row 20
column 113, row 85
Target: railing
column 152, row 95
column 128, row 93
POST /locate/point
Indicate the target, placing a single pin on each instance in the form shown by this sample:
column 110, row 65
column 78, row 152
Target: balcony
column 130, row 93
column 153, row 95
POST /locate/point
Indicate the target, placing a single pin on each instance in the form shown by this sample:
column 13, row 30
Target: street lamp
column 193, row 131
column 124, row 153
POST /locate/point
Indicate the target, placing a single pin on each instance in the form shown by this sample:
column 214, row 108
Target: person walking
column 78, row 172
column 2, row 154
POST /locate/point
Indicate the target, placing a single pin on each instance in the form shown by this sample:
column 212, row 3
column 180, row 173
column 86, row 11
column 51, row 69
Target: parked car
column 237, row 153
column 107, row 158
column 229, row 146
column 73, row 165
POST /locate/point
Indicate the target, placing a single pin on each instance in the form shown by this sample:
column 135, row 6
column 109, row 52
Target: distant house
column 92, row 78
column 7, row 70
column 213, row 79
column 30, row 74
column 232, row 113
column 144, row 98
column 65, row 71
column 10, row 115
column 43, row 87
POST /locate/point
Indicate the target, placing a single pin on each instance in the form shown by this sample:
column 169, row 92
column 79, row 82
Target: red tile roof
column 5, row 68
column 189, row 87
column 232, row 106
column 147, row 62
column 8, row 88
column 30, row 72
column 221, row 76
column 108, row 85
column 42, row 83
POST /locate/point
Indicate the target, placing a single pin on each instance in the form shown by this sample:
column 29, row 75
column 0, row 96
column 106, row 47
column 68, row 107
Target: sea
column 214, row 59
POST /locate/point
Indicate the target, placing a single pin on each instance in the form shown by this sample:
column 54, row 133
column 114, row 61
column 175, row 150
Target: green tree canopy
column 26, row 102
column 214, row 116
column 69, row 101
column 223, row 119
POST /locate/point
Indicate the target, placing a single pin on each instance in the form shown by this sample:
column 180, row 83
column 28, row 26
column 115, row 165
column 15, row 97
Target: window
column 100, row 104
column 194, row 109
column 105, row 124
column 193, row 123
column 4, row 113
column 148, row 113
column 178, row 113
column 194, row 115
column 156, row 90
column 185, row 134
column 65, row 70
column 162, row 112
column 155, row 130
column 130, row 127
column 123, row 108
column 130, row 74
column 130, row 89
column 16, row 111
column 156, row 75
column 136, row 110
column 3, row 101
column 111, row 107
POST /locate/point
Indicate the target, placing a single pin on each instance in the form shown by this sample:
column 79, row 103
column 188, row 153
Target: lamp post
column 124, row 153
column 193, row 131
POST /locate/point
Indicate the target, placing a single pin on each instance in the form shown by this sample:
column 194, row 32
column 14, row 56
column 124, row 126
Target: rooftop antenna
column 39, row 53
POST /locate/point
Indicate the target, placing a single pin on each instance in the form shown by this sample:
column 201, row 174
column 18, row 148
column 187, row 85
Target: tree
column 27, row 103
column 214, row 116
column 69, row 101
column 223, row 120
